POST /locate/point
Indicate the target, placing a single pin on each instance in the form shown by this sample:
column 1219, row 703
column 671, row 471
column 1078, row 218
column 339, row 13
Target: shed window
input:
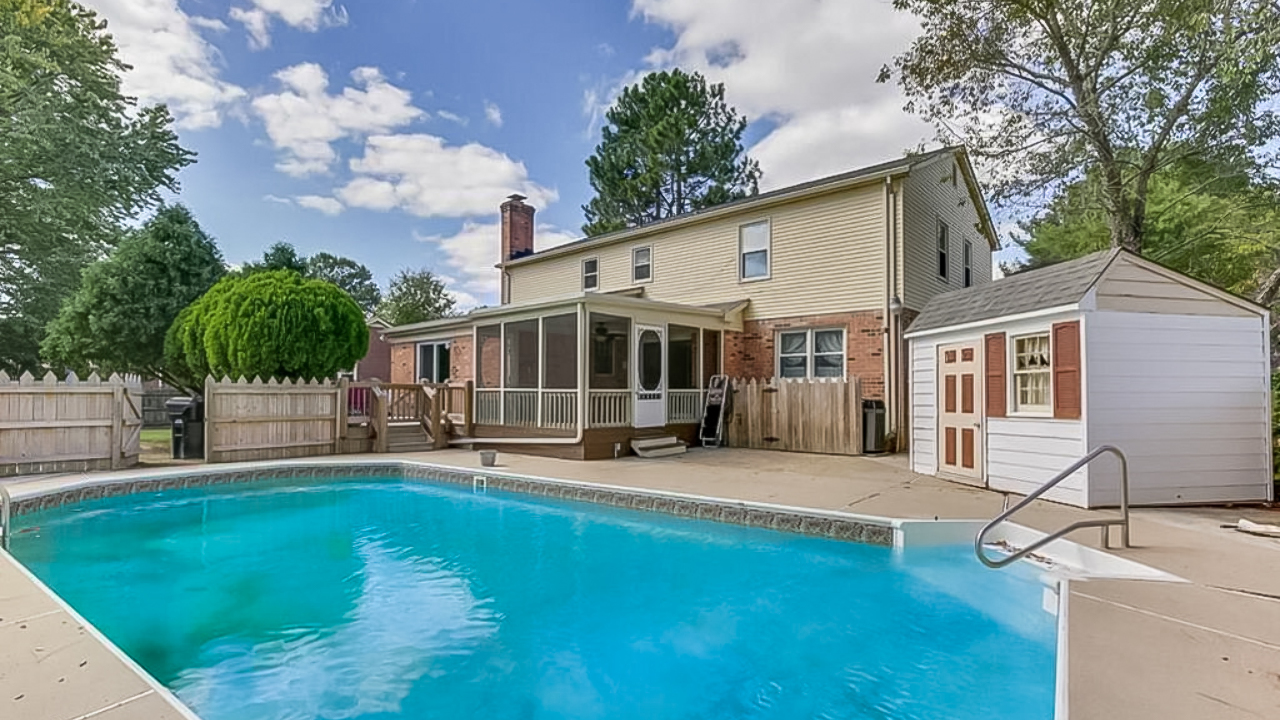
column 944, row 242
column 811, row 353
column 1031, row 373
column 642, row 264
column 968, row 263
column 753, row 250
column 591, row 274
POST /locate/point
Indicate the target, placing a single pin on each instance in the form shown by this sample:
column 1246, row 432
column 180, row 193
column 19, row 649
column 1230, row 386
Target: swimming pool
column 382, row 598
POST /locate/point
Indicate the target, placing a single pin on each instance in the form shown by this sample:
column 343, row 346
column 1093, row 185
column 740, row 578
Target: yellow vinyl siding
column 1127, row 287
column 826, row 255
column 928, row 196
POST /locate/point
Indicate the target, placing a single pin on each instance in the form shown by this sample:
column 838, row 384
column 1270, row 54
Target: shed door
column 960, row 412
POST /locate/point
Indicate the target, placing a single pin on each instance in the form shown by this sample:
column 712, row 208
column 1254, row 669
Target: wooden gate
column 72, row 425
column 818, row 415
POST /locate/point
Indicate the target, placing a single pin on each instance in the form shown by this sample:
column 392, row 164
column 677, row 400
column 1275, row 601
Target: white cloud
column 277, row 199
column 422, row 175
column 810, row 69
column 493, row 113
column 172, row 63
column 307, row 15
column 452, row 117
column 472, row 253
column 208, row 23
column 326, row 205
column 304, row 120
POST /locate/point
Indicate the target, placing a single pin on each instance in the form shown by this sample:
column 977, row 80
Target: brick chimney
column 517, row 228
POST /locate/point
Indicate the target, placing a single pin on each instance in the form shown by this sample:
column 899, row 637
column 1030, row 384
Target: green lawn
column 155, row 435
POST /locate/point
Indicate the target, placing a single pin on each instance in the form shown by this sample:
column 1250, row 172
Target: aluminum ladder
column 6, row 521
column 979, row 542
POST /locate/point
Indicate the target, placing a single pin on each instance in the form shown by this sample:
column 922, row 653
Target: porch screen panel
column 560, row 352
column 682, row 357
column 521, row 354
column 610, row 347
column 489, row 356
column 710, row 355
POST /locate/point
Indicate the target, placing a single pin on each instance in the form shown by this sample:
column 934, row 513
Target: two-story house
column 609, row 335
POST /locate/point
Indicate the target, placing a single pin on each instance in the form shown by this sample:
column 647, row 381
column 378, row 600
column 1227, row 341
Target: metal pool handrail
column 6, row 502
column 1123, row 521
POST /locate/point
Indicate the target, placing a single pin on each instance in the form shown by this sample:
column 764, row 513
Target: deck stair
column 406, row 438
column 654, row 447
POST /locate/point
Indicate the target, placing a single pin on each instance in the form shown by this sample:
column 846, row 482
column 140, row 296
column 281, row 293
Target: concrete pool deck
column 1208, row 648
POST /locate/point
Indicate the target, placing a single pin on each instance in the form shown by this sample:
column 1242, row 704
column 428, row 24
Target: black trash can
column 186, row 418
column 873, row 426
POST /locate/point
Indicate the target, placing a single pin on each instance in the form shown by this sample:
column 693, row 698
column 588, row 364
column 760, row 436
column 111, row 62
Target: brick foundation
column 751, row 353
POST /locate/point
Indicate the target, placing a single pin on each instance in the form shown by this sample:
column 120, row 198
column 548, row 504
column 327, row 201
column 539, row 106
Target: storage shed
column 1013, row 381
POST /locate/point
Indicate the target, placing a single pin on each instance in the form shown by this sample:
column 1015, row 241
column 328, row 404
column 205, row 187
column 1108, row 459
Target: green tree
column 1045, row 88
column 280, row 256
column 348, row 275
column 268, row 324
column 415, row 296
column 77, row 160
column 672, row 145
column 117, row 320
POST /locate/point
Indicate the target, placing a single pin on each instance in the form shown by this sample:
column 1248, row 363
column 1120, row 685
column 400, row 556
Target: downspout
column 890, row 276
column 582, row 401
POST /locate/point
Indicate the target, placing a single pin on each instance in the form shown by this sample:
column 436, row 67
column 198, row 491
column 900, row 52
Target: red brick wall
column 462, row 365
column 376, row 363
column 750, row 353
column 402, row 362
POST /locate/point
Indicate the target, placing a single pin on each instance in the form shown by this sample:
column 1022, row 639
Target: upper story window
column 591, row 274
column 968, row 263
column 944, row 243
column 753, row 250
column 811, row 353
column 1031, row 373
column 642, row 264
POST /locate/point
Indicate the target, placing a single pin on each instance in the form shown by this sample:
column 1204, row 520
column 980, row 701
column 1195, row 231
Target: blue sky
column 390, row 131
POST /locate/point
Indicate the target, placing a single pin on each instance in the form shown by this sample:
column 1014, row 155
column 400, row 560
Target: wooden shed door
column 960, row 412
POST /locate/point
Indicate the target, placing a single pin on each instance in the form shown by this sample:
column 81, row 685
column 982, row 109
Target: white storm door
column 651, row 399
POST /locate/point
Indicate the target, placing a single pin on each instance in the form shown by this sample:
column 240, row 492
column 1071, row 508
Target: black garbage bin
column 186, row 417
column 873, row 426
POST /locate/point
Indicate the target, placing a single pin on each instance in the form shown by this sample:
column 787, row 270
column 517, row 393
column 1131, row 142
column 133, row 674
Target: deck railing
column 559, row 409
column 520, row 408
column 684, row 406
column 488, row 406
column 609, row 408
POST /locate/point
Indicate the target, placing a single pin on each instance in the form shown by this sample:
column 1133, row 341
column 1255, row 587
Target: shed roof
column 1062, row 284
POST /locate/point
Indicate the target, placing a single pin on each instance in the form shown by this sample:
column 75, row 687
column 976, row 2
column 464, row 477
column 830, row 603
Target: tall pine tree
column 672, row 145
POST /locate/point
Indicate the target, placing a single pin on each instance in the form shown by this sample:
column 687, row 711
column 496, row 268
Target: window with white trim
column 1032, row 368
column 753, row 250
column 642, row 264
column 944, row 243
column 591, row 274
column 968, row 263
column 433, row 362
column 811, row 353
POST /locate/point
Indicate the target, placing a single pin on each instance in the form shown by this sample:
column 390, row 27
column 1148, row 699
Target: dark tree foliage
column 348, row 275
column 77, row 160
column 117, row 320
column 1043, row 89
column 415, row 296
column 280, row 256
column 268, row 324
column 672, row 145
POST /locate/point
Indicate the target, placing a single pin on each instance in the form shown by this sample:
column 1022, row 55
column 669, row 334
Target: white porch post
column 541, row 369
column 584, row 347
column 502, row 373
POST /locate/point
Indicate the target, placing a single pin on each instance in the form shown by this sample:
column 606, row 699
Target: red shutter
column 997, row 383
column 1066, row 370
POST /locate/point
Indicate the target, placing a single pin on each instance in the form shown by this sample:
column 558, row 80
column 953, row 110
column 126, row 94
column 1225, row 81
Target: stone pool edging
column 806, row 521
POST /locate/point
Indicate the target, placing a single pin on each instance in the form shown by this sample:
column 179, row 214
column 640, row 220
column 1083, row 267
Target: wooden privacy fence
column 818, row 415
column 48, row 425
column 256, row 420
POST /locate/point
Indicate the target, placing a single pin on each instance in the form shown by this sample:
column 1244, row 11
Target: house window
column 944, row 242
column 753, row 250
column 642, row 264
column 811, row 353
column 968, row 263
column 591, row 274
column 433, row 362
column 1031, row 373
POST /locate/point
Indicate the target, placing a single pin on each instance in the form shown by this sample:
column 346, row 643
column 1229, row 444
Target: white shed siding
column 1186, row 398
column 924, row 408
column 928, row 196
column 1129, row 287
column 1025, row 453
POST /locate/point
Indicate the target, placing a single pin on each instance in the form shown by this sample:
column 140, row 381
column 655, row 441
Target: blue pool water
column 375, row 599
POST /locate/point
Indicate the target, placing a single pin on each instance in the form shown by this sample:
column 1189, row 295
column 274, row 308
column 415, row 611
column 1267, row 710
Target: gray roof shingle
column 1060, row 284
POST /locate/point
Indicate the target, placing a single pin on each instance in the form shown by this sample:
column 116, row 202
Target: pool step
column 658, row 446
